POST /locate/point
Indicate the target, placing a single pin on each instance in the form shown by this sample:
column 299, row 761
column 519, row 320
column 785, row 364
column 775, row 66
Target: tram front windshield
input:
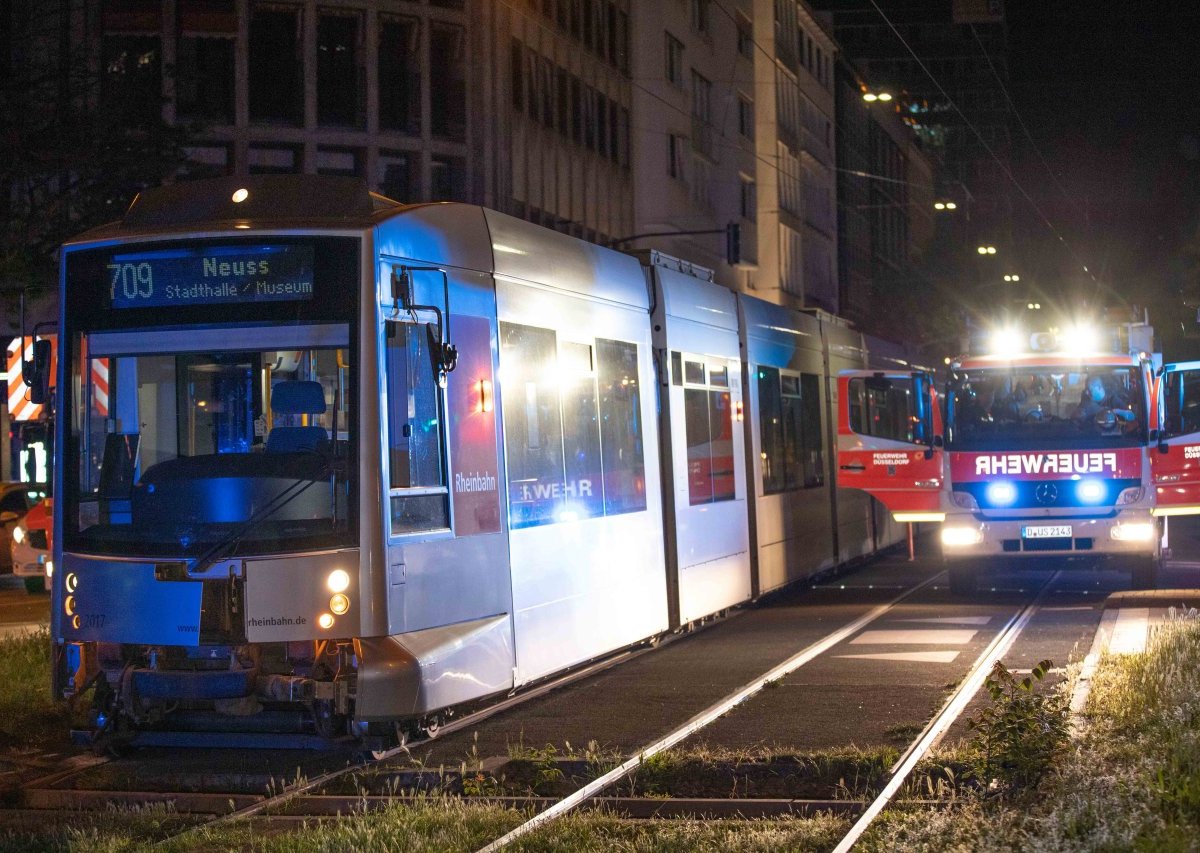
column 206, row 438
column 1051, row 408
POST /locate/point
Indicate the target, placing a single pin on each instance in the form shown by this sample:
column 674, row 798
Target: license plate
column 1046, row 531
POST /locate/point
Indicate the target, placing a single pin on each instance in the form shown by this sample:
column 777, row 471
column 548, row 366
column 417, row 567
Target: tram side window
column 419, row 497
column 882, row 408
column 708, row 428
column 572, row 427
column 621, row 427
column 789, row 430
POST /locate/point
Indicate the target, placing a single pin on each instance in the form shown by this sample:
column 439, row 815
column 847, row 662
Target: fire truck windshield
column 1048, row 408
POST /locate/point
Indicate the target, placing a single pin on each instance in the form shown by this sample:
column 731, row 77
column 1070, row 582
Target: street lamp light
column 945, row 205
column 986, row 250
column 1012, row 278
column 871, row 97
column 1034, row 306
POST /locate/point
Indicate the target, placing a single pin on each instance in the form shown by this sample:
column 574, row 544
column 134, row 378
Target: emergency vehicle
column 1054, row 447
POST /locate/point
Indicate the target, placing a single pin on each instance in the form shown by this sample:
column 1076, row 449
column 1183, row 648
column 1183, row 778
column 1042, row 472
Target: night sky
column 1110, row 94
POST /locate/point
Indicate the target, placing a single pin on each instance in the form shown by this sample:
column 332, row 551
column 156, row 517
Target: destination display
column 210, row 275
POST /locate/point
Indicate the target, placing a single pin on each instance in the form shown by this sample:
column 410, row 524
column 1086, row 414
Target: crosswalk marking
column 952, row 620
column 915, row 657
column 914, row 636
column 1129, row 634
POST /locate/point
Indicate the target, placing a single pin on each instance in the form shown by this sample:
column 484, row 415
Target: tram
column 356, row 463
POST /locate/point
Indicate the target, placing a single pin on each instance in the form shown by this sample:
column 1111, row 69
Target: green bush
column 1019, row 735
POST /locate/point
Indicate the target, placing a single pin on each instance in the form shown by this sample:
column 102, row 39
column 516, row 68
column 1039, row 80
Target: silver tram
column 330, row 464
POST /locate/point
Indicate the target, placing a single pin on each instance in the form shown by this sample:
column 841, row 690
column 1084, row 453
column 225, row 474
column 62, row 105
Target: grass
column 442, row 824
column 28, row 714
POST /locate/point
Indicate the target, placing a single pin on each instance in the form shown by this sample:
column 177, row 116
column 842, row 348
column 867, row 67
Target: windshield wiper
column 288, row 494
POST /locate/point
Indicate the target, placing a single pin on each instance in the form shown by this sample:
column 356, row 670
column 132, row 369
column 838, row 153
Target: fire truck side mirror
column 39, row 381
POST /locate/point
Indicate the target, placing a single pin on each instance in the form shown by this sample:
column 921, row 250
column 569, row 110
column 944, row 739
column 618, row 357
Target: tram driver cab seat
column 293, row 398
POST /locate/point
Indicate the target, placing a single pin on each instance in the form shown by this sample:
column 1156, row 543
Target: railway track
column 303, row 801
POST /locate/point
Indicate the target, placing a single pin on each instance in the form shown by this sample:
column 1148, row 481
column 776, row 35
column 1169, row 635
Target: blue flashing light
column 1001, row 493
column 1090, row 491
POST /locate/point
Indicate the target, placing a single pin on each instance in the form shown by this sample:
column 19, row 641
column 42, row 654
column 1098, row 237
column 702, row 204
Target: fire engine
column 1067, row 447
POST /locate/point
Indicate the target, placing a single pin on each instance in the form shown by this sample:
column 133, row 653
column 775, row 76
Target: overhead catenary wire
column 986, row 147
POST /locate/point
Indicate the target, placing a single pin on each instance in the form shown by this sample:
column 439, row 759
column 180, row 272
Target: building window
column 204, row 72
column 206, row 161
column 273, row 160
column 701, row 16
column 448, row 179
column 745, row 36
column 745, row 116
column 701, row 183
column 346, row 162
column 399, row 74
column 133, row 76
column 749, row 199
column 516, row 66
column 702, row 129
column 399, row 175
column 447, row 67
column 674, row 67
column 341, row 89
column 675, row 146
column 276, row 65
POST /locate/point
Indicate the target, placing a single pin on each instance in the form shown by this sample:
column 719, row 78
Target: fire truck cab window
column 1181, row 403
column 1047, row 408
column 883, row 408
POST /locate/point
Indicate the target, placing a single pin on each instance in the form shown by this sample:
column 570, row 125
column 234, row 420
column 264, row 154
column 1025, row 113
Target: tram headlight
column 1137, row 531
column 339, row 604
column 961, row 536
column 338, row 580
column 325, row 620
column 49, row 568
column 71, row 582
column 18, row 534
column 69, row 605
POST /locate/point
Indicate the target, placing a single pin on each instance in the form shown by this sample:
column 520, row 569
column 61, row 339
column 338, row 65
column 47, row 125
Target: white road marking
column 1064, row 609
column 929, row 636
column 915, row 657
column 1129, row 634
column 953, row 620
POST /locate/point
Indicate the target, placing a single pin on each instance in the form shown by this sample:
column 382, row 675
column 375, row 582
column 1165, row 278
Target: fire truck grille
column 1061, row 543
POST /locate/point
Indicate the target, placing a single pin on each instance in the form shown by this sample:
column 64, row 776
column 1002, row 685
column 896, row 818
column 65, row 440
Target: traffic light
column 733, row 244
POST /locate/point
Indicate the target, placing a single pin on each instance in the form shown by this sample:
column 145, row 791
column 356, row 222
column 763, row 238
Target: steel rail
column 951, row 710
column 471, row 719
column 702, row 719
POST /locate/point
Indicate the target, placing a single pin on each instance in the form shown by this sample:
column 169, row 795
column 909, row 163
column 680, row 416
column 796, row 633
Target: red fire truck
column 1056, row 450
